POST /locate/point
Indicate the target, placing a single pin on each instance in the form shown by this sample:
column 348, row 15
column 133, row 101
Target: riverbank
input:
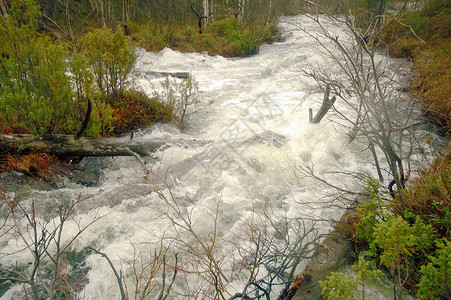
column 425, row 38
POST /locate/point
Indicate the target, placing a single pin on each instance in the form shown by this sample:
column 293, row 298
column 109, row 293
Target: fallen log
column 67, row 145
column 181, row 75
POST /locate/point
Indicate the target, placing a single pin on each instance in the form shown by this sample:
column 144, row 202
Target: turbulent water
column 254, row 110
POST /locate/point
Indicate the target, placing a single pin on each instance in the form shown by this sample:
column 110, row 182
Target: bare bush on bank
column 371, row 104
column 373, row 107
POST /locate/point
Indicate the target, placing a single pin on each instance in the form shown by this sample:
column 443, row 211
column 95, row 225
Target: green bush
column 341, row 286
column 111, row 58
column 245, row 43
column 99, row 72
column 399, row 236
column 435, row 282
column 419, row 23
column 398, row 242
column 337, row 286
column 35, row 89
column 226, row 27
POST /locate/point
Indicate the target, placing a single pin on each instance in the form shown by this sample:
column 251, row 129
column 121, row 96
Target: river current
column 254, row 112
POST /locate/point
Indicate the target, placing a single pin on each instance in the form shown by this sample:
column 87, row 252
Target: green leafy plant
column 338, row 285
column 435, row 282
column 370, row 213
column 396, row 242
column 111, row 58
column 34, row 85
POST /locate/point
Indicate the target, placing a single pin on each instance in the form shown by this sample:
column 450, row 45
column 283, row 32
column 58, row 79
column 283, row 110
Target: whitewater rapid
column 240, row 98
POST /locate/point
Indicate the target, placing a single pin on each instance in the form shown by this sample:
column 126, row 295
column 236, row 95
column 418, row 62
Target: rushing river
column 254, row 110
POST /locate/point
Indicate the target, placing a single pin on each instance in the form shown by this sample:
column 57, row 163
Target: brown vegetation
column 134, row 109
column 426, row 39
column 429, row 197
column 40, row 165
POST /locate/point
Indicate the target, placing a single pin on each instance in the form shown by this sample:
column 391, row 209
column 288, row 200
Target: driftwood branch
column 67, row 145
column 327, row 104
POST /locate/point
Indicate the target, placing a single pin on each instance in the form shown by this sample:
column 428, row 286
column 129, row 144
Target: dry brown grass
column 39, row 164
column 429, row 197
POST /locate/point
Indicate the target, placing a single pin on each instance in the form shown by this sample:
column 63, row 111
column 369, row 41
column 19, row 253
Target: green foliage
column 226, row 27
column 341, row 286
column 337, row 286
column 111, row 58
column 396, row 243
column 243, row 40
column 419, row 22
column 225, row 37
column 370, row 213
column 102, row 120
column 399, row 240
column 100, row 72
column 38, row 93
column 33, row 81
column 23, row 17
column 365, row 272
column 435, row 282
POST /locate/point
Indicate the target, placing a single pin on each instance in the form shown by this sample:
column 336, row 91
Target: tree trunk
column 206, row 10
column 3, row 9
column 67, row 145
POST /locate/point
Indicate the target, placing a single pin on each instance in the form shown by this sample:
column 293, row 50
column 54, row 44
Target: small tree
column 111, row 58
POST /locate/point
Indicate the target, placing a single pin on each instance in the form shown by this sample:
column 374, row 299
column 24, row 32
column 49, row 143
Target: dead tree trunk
column 199, row 18
column 327, row 104
column 67, row 145
column 3, row 9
